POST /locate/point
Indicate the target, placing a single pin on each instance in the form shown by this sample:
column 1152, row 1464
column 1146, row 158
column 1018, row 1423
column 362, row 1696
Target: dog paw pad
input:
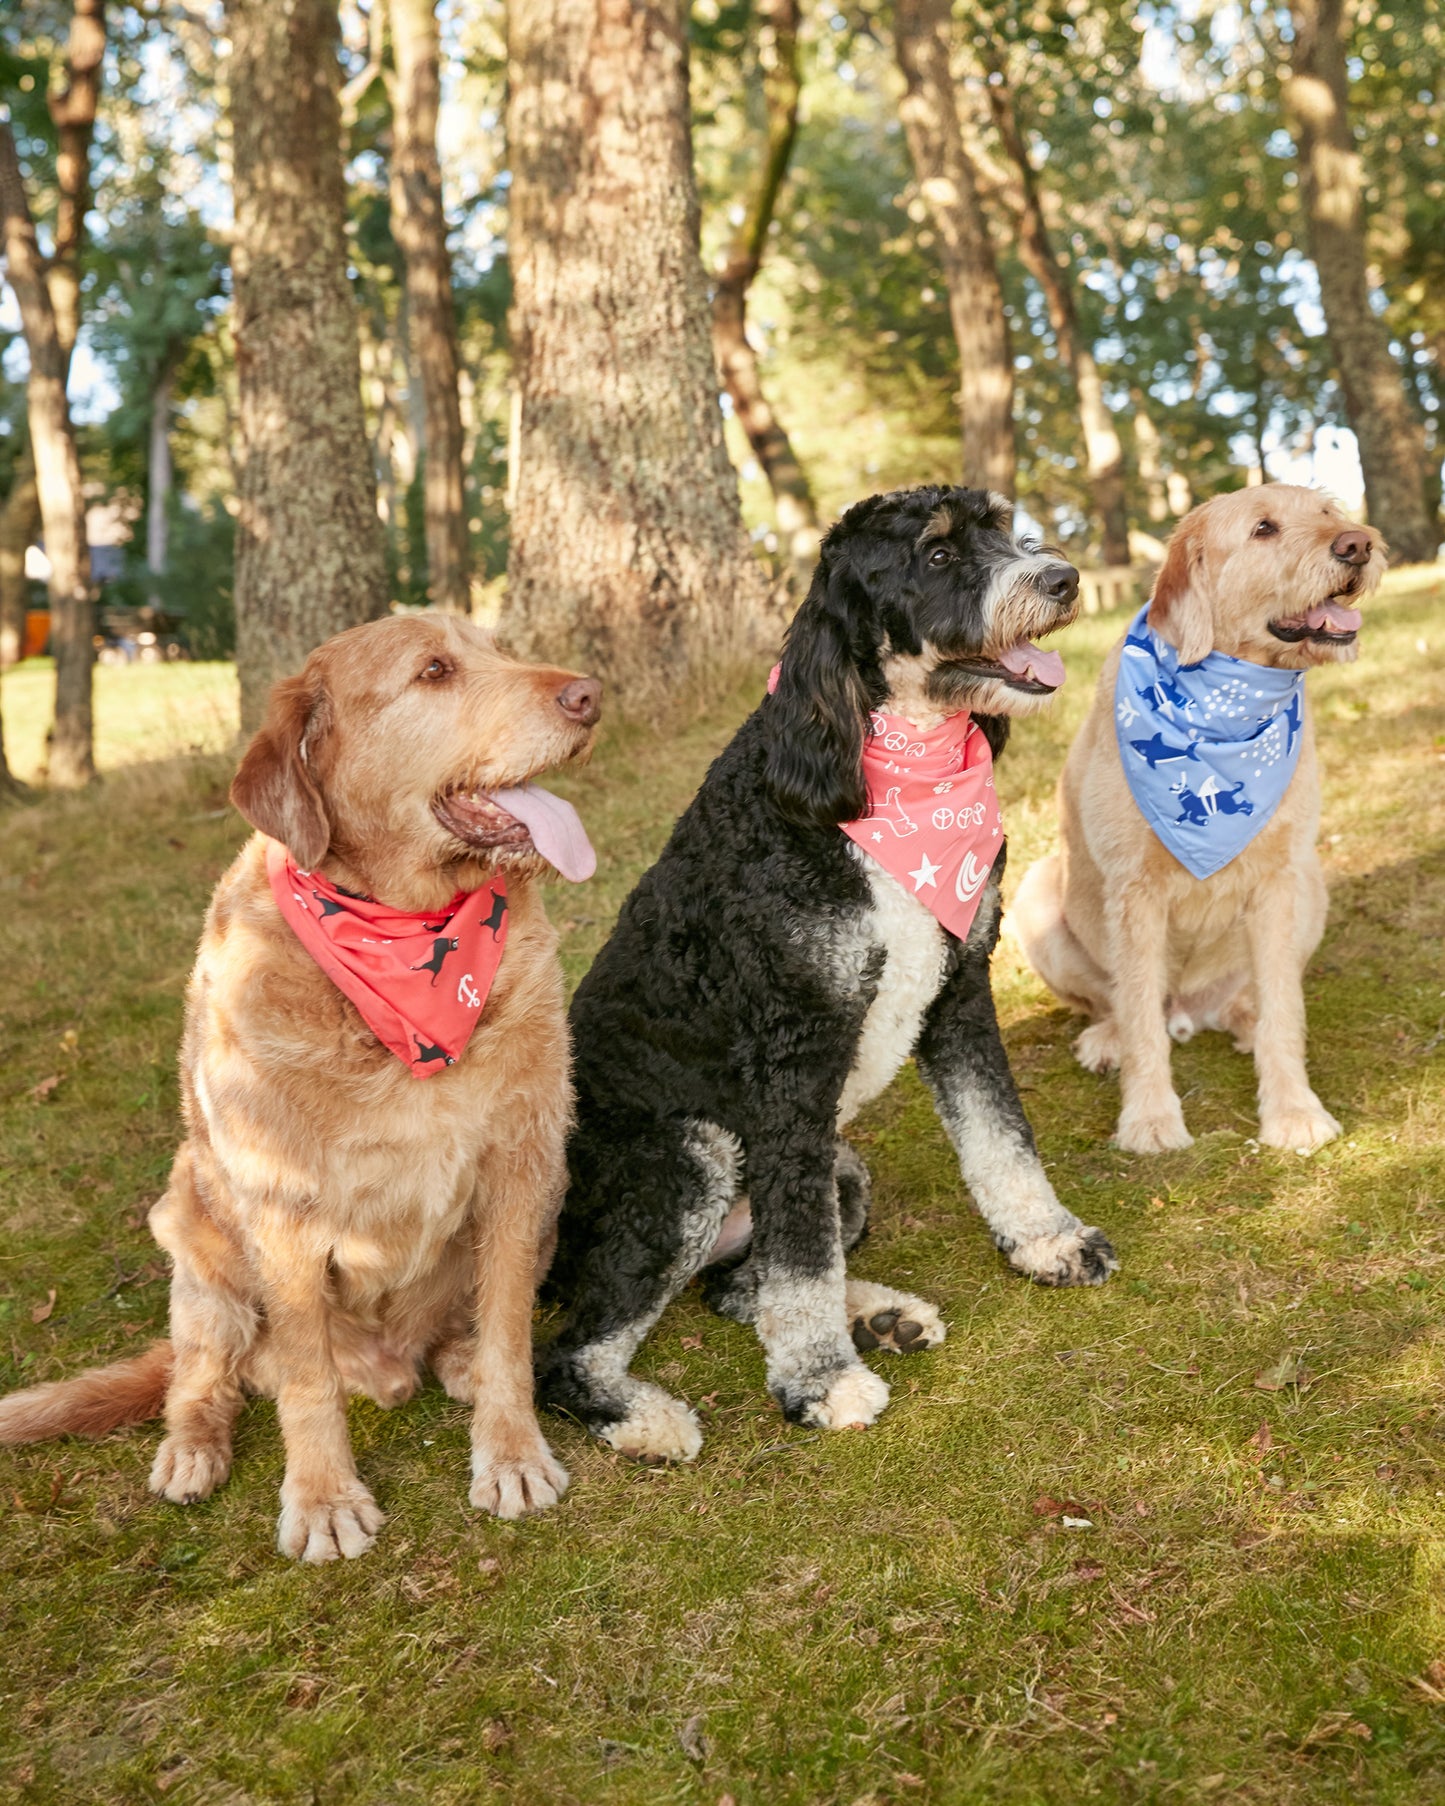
column 879, row 1317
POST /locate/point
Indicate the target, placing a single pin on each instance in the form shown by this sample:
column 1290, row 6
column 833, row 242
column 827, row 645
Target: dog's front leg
column 963, row 1062
column 325, row 1509
column 1290, row 1115
column 1151, row 1118
column 801, row 1301
column 513, row 1469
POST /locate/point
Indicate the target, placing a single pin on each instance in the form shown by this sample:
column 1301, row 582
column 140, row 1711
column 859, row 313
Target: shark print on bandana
column 933, row 820
column 1208, row 750
column 419, row 981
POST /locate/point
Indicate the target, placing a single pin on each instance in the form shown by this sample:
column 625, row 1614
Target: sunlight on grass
column 869, row 1620
column 141, row 712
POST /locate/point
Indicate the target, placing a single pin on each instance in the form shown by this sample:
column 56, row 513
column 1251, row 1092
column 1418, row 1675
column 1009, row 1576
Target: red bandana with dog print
column 933, row 820
column 419, row 981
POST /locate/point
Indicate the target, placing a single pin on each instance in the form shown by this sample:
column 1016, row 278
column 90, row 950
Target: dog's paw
column 658, row 1427
column 1153, row 1132
column 188, row 1471
column 1181, row 1026
column 1303, row 1130
column 321, row 1529
column 1075, row 1257
column 514, row 1487
column 879, row 1317
column 852, row 1401
column 1097, row 1048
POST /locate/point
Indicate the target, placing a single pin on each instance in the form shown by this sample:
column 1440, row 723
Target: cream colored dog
column 334, row 1224
column 1114, row 924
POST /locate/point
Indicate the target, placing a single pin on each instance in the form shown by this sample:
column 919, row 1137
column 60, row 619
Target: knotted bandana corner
column 418, row 981
column 1208, row 750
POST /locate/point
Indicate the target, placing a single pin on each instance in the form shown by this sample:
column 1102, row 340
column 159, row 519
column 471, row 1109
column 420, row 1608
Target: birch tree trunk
column 309, row 553
column 628, row 553
column 1102, row 448
column 19, row 519
column 1391, row 437
column 419, row 227
column 737, row 361
column 949, row 186
column 1149, row 451
column 57, row 475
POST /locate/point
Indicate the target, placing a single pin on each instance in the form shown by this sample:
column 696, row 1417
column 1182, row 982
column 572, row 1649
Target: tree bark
column 57, row 475
column 949, row 186
column 72, row 111
column 159, row 485
column 1102, row 448
column 1390, row 435
column 1149, row 453
column 309, row 552
column 19, row 519
column 628, row 553
column 737, row 361
column 419, row 227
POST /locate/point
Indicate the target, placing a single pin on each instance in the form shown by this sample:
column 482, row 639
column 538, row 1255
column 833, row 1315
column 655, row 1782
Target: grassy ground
column 1253, row 1608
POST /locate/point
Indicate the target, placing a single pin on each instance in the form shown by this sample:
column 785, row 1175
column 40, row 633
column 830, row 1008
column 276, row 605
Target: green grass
column 893, row 1616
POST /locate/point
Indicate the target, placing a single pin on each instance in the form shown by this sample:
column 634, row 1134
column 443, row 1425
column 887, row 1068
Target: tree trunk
column 737, row 361
column 1391, row 438
column 57, row 475
column 949, row 186
column 1149, row 454
column 1102, row 449
column 628, row 554
column 158, row 502
column 309, row 553
column 19, row 522
column 72, row 111
column 419, row 227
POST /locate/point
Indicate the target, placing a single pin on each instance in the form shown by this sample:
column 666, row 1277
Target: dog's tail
column 100, row 1399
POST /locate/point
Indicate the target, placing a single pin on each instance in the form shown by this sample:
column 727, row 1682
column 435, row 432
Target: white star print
column 925, row 874
column 877, row 836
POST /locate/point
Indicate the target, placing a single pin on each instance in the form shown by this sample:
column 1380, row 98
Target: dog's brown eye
column 939, row 555
column 1264, row 529
column 434, row 670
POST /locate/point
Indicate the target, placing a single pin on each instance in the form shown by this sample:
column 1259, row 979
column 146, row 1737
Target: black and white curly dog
column 766, row 979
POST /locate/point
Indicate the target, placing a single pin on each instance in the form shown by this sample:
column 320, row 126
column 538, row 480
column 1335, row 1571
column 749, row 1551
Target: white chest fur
column 915, row 952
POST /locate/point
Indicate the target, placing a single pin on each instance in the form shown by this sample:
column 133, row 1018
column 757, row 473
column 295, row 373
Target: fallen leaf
column 692, row 1341
column 1289, row 1370
column 495, row 1732
column 1156, row 1203
column 41, row 1311
column 43, row 1090
column 1088, row 1570
column 694, row 1744
column 1077, row 1523
column 1263, row 1438
column 70, row 1041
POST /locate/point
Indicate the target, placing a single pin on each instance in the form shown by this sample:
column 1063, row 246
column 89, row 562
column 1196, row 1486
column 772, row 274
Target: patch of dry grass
column 1251, row 1615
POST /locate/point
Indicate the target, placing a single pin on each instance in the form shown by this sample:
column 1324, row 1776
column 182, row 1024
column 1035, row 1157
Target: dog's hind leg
column 212, row 1330
column 643, row 1215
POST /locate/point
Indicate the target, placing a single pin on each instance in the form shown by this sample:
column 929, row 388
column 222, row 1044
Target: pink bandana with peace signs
column 419, row 981
column 933, row 820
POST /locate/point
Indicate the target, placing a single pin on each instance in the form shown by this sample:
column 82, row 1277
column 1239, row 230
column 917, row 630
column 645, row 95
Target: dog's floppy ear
column 996, row 729
column 1179, row 610
column 273, row 786
column 818, row 715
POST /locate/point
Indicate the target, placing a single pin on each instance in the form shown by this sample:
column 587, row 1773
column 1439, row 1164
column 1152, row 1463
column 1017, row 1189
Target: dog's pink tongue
column 1030, row 662
column 555, row 827
column 1335, row 617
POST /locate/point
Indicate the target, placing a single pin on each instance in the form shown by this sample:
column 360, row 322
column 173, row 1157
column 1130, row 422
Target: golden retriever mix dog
column 1187, row 892
column 340, row 1214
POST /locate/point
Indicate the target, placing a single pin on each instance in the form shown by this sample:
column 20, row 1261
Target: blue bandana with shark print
column 1208, row 749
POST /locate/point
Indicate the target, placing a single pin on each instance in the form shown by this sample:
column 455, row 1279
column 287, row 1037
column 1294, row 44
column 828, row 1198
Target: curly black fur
column 716, row 1031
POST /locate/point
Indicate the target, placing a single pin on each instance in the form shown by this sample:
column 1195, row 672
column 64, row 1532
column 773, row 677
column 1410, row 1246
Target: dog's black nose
column 582, row 700
column 1353, row 546
column 1060, row 583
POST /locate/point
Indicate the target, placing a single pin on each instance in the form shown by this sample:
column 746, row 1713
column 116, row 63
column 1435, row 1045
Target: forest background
column 1110, row 259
